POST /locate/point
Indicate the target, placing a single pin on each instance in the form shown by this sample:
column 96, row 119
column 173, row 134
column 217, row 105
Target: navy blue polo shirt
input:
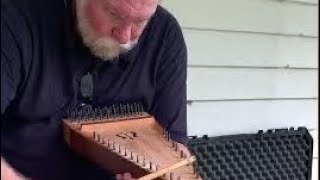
column 42, row 62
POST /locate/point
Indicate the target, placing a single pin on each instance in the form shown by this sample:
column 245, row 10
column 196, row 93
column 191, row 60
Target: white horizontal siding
column 220, row 83
column 305, row 1
column 214, row 48
column 315, row 169
column 234, row 117
column 247, row 15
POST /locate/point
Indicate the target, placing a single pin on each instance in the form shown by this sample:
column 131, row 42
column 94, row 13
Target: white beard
column 106, row 48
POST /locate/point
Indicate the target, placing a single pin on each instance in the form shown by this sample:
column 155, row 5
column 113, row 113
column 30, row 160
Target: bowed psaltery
column 124, row 138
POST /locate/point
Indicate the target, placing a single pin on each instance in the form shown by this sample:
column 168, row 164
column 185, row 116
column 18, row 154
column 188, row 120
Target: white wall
column 253, row 64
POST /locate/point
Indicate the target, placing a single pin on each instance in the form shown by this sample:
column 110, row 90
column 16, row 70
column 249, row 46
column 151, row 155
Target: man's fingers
column 184, row 149
column 119, row 177
column 127, row 176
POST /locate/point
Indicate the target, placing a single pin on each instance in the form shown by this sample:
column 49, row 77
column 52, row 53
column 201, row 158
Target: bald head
column 111, row 27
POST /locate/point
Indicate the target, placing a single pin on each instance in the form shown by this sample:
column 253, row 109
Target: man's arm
column 16, row 51
column 12, row 28
column 169, row 106
column 8, row 173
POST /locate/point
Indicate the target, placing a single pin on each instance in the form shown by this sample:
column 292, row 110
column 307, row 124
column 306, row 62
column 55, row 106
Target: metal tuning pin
column 176, row 146
column 80, row 114
column 108, row 143
column 76, row 114
column 118, row 111
column 100, row 113
column 97, row 114
column 181, row 154
column 98, row 138
column 173, row 143
column 107, row 113
column 125, row 151
column 194, row 169
column 138, row 108
column 113, row 112
column 132, row 110
column 150, row 165
column 157, row 167
column 128, row 113
column 135, row 109
column 103, row 140
column 197, row 175
column 144, row 161
column 69, row 113
column 131, row 155
column 104, row 112
column 119, row 149
column 121, row 110
column 93, row 114
column 85, row 114
column 114, row 146
column 171, row 176
column 141, row 108
column 185, row 156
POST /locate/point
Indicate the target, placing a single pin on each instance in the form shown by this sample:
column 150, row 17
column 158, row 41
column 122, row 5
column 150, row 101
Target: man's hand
column 125, row 176
column 184, row 149
column 8, row 173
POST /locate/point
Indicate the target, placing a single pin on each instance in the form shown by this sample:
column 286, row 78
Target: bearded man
column 132, row 50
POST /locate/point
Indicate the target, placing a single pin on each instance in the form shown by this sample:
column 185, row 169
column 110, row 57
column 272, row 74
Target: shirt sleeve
column 13, row 38
column 170, row 98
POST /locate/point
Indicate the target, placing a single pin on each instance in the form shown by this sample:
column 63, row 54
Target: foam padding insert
column 282, row 154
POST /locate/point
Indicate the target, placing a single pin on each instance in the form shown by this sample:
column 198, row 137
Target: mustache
column 108, row 48
column 129, row 45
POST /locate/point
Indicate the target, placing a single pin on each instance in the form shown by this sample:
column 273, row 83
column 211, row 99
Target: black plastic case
column 281, row 154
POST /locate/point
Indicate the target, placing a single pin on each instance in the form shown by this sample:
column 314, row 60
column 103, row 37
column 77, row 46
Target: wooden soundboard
column 132, row 141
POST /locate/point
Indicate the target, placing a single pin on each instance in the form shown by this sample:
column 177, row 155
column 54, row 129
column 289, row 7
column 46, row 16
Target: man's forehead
column 135, row 3
column 133, row 7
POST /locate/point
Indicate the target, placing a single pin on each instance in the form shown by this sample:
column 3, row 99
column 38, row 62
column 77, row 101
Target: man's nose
column 122, row 34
